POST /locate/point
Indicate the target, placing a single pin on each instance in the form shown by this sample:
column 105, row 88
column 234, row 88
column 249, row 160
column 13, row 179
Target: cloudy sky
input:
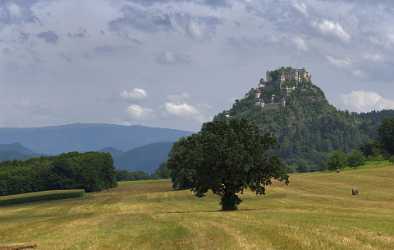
column 176, row 63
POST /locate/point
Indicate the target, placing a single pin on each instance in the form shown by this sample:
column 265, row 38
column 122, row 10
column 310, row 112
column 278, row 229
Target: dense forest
column 308, row 128
column 90, row 171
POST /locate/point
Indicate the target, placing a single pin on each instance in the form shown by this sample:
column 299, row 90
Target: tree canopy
column 386, row 135
column 337, row 160
column 226, row 157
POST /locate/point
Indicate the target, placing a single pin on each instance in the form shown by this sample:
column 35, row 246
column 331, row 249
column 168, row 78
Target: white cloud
column 358, row 73
column 181, row 109
column 328, row 27
column 179, row 105
column 364, row 101
column 134, row 94
column 340, row 62
column 14, row 10
column 138, row 112
column 301, row 7
column 195, row 30
column 374, row 57
column 300, row 43
column 169, row 57
column 177, row 98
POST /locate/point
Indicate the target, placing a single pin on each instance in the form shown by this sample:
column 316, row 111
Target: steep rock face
column 306, row 125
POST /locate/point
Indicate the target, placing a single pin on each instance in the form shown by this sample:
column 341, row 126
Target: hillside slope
column 316, row 211
column 87, row 137
column 306, row 125
column 15, row 151
column 146, row 158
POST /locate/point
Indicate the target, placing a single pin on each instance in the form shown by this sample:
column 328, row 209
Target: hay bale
column 355, row 191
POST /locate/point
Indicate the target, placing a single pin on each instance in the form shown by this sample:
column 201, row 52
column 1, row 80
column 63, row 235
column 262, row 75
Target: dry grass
column 316, row 211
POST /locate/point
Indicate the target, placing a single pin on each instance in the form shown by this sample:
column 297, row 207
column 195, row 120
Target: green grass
column 316, row 211
column 40, row 196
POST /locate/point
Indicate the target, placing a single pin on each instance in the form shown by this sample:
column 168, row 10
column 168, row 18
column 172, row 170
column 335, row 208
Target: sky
column 177, row 63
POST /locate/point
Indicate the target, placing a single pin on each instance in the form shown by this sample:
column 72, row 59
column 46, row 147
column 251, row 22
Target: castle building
column 290, row 74
column 288, row 79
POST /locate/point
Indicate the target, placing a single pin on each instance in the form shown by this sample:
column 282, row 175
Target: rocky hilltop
column 289, row 105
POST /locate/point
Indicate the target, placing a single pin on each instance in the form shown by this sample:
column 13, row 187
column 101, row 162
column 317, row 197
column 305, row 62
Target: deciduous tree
column 226, row 157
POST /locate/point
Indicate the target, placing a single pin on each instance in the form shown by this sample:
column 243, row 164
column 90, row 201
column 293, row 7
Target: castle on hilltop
column 290, row 74
column 279, row 85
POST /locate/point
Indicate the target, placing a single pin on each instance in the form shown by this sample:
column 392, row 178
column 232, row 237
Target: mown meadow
column 316, row 211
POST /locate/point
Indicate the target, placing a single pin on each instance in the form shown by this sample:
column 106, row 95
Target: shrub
column 337, row 160
column 356, row 158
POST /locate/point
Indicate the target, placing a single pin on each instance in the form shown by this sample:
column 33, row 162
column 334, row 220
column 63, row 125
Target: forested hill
column 306, row 125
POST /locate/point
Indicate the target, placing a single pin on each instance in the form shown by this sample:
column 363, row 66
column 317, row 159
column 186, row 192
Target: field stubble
column 316, row 211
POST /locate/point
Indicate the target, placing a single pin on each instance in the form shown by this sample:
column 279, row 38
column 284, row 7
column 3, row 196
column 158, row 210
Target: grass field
column 316, row 211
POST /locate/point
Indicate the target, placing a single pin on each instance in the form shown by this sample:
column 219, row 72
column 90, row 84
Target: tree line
column 91, row 171
column 382, row 148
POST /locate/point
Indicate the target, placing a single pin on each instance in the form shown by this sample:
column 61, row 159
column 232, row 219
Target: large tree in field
column 226, row 157
column 386, row 135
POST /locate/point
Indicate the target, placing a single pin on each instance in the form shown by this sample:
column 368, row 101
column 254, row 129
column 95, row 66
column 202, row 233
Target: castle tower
column 282, row 77
column 258, row 94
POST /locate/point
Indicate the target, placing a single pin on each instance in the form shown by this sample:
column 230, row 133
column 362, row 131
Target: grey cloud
column 65, row 57
column 81, row 33
column 155, row 20
column 49, row 37
column 141, row 20
column 17, row 11
column 23, row 37
column 6, row 51
column 199, row 27
column 212, row 3
column 107, row 50
column 217, row 3
column 172, row 58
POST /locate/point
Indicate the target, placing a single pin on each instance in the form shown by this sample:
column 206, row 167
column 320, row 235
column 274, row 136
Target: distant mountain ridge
column 15, row 151
column 87, row 137
column 146, row 158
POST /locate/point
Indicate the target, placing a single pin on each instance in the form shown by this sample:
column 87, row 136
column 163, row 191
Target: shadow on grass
column 214, row 211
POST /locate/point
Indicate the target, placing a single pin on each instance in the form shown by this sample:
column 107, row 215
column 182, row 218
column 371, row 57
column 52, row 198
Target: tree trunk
column 230, row 202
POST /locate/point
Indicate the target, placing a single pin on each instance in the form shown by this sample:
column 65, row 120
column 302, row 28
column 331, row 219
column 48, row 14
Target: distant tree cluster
column 90, row 171
column 226, row 157
column 125, row 175
column 339, row 160
column 380, row 149
column 161, row 173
